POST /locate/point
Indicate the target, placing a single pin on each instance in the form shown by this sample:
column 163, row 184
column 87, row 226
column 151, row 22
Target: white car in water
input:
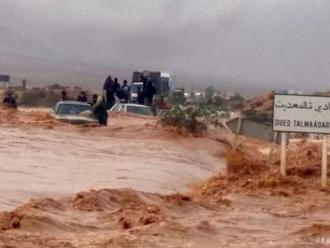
column 132, row 108
column 73, row 112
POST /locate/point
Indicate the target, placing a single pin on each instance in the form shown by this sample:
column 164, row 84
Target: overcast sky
column 278, row 43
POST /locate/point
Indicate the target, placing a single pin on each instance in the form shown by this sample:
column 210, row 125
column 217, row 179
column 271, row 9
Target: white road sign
column 301, row 113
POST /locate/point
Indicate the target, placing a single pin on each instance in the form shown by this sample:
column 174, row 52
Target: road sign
column 301, row 113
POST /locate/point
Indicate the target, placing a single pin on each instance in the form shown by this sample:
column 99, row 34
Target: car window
column 139, row 110
column 72, row 109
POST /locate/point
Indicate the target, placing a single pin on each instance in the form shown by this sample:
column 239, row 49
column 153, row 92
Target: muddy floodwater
column 137, row 183
column 37, row 162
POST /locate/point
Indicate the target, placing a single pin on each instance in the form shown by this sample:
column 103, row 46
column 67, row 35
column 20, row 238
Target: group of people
column 113, row 89
column 145, row 93
column 82, row 97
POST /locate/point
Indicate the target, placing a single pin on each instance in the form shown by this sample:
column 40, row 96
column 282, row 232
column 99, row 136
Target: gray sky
column 272, row 43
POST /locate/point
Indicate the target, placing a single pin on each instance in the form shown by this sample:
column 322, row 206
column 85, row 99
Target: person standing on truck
column 109, row 89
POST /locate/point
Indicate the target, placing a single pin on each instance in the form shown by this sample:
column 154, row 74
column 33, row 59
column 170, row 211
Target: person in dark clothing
column 144, row 81
column 64, row 96
column 125, row 90
column 150, row 91
column 10, row 101
column 109, row 88
column 125, row 85
column 100, row 109
column 140, row 95
column 117, row 85
column 82, row 97
column 120, row 93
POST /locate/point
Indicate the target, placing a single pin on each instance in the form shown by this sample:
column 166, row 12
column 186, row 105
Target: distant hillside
column 40, row 72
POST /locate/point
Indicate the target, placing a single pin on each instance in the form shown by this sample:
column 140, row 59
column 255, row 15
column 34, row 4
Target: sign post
column 324, row 161
column 302, row 114
column 283, row 153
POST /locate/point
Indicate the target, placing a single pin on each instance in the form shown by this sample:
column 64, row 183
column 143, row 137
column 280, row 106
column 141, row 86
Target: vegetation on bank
column 187, row 117
column 195, row 116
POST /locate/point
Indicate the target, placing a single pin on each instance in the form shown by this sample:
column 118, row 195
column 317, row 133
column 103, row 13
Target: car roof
column 134, row 105
column 74, row 103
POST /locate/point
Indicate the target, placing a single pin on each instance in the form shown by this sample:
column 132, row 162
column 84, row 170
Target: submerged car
column 73, row 112
column 132, row 108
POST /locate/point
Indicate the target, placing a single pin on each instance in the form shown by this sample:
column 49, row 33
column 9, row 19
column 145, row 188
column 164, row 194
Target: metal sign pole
column 324, row 175
column 283, row 153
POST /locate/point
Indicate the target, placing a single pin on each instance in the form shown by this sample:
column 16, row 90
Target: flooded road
column 81, row 175
column 38, row 162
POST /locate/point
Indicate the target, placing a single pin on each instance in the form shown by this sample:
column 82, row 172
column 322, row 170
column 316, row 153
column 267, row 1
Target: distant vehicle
column 73, row 112
column 132, row 108
column 161, row 80
column 179, row 91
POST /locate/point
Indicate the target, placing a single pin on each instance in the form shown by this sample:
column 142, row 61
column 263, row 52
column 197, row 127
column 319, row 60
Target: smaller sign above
column 301, row 113
column 4, row 78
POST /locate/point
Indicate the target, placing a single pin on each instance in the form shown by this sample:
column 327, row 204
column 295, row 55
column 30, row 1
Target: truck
column 161, row 81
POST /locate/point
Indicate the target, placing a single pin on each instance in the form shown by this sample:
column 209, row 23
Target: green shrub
column 189, row 117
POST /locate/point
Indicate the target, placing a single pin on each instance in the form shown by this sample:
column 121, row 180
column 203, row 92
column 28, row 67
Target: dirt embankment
column 256, row 175
column 262, row 103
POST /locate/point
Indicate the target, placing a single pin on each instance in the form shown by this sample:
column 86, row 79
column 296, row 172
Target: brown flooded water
column 251, row 207
column 35, row 161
